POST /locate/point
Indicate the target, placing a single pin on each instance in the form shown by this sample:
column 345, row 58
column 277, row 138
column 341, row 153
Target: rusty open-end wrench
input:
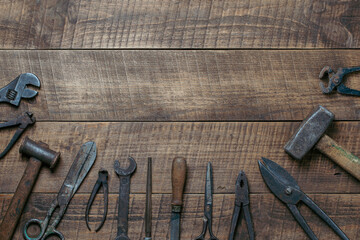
column 124, row 195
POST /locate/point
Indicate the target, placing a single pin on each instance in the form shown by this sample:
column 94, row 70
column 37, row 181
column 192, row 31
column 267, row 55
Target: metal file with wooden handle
column 311, row 134
column 178, row 176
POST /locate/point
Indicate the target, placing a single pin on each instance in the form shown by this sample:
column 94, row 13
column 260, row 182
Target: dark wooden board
column 231, row 147
column 179, row 85
column 272, row 220
column 179, row 24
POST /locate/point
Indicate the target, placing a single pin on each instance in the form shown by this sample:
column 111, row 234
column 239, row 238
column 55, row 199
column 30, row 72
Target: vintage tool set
column 310, row 134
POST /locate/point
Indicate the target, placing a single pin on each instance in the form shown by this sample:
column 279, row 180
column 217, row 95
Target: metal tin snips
column 81, row 166
column 285, row 188
column 336, row 80
column 17, row 89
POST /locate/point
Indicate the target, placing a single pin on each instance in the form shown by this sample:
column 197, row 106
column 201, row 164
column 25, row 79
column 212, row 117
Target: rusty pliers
column 23, row 121
column 242, row 201
column 336, row 80
column 102, row 181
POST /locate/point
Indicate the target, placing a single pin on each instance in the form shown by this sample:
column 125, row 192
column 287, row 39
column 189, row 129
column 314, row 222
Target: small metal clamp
column 23, row 121
column 102, row 181
column 336, row 80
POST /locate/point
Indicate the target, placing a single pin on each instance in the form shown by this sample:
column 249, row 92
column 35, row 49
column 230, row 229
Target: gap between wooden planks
column 179, row 24
column 230, row 146
column 272, row 220
column 276, row 85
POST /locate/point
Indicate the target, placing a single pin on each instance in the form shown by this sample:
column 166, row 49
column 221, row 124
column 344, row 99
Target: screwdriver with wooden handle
column 178, row 176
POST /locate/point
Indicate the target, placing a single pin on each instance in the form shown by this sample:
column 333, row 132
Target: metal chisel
column 178, row 175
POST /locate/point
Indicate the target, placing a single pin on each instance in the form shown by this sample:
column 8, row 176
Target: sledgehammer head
column 309, row 133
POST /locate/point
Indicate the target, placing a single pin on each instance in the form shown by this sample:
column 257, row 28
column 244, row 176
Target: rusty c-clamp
column 336, row 80
column 23, row 121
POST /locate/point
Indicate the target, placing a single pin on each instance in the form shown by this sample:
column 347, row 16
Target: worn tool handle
column 19, row 199
column 178, row 175
column 340, row 155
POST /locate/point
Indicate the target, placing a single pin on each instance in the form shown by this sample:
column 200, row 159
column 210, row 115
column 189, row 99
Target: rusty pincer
column 23, row 121
column 102, row 181
column 336, row 80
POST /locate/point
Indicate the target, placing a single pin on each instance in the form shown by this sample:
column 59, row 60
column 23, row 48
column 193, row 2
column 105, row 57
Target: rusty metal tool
column 286, row 189
column 178, row 177
column 336, row 80
column 148, row 206
column 101, row 181
column 22, row 121
column 124, row 197
column 311, row 134
column 39, row 153
column 16, row 89
column 82, row 164
column 207, row 219
column 242, row 201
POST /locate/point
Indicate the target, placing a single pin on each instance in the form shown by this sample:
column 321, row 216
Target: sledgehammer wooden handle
column 340, row 155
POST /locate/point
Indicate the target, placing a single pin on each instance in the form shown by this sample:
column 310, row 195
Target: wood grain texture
column 179, row 24
column 272, row 220
column 230, row 147
column 179, row 85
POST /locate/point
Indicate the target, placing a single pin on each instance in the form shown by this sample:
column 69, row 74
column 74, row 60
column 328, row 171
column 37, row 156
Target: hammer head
column 309, row 133
column 40, row 151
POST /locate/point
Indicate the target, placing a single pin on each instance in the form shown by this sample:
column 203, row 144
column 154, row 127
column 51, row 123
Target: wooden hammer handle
column 340, row 155
column 19, row 199
column 178, row 175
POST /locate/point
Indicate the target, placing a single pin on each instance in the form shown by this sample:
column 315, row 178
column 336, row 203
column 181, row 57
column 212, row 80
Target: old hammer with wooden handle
column 311, row 134
column 39, row 153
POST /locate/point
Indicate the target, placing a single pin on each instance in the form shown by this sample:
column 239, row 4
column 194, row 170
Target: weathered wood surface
column 179, row 24
column 179, row 85
column 272, row 220
column 230, row 147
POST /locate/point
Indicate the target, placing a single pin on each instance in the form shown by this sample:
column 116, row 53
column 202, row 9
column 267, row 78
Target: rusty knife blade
column 175, row 226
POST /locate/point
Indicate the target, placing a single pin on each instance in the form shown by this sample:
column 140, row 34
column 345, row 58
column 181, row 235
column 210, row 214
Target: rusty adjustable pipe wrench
column 124, row 196
column 17, row 89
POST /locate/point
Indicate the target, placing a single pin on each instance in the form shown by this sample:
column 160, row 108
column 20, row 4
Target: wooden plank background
column 179, row 24
column 153, row 85
column 221, row 81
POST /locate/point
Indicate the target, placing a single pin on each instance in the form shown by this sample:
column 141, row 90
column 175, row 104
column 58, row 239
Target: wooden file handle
column 178, row 175
column 340, row 155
